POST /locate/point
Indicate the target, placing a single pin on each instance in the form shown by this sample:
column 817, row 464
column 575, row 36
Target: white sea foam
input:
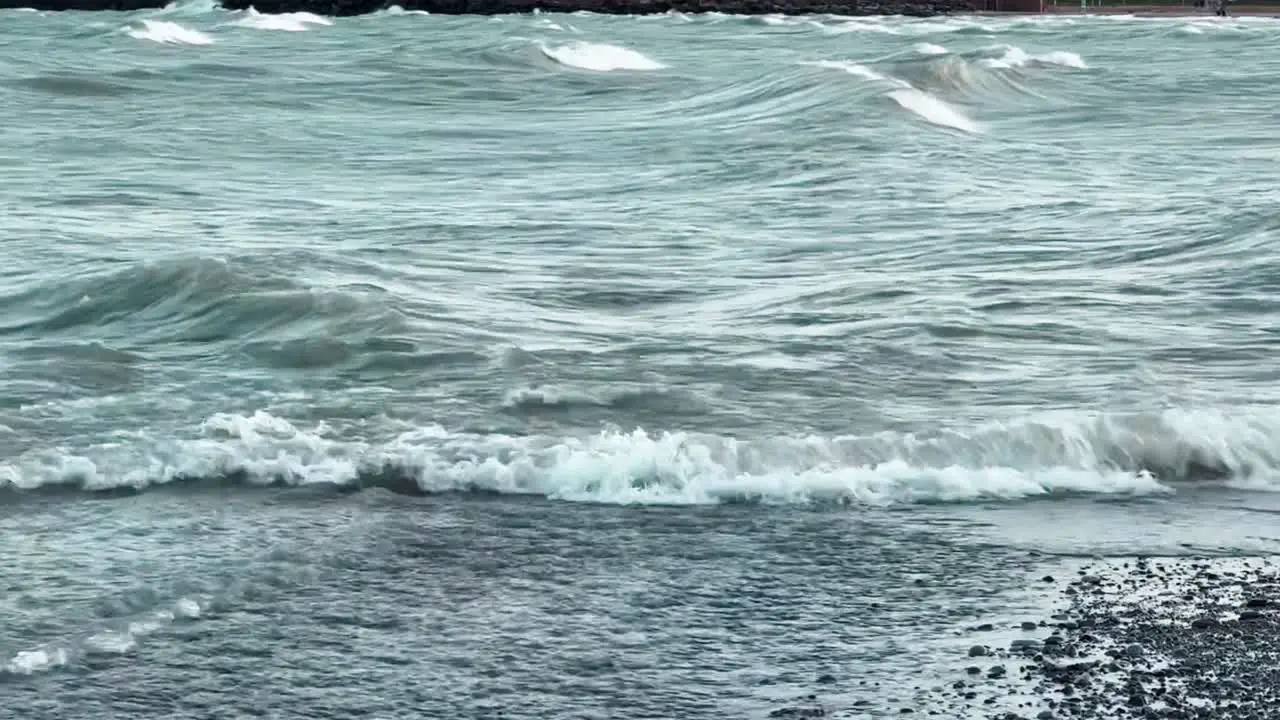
column 398, row 10
column 110, row 641
column 114, row 643
column 1016, row 57
column 1048, row 455
column 168, row 32
column 930, row 49
column 27, row 662
column 287, row 22
column 600, row 57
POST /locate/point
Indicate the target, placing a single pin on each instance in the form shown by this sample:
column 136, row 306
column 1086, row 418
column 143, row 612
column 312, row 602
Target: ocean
column 582, row 366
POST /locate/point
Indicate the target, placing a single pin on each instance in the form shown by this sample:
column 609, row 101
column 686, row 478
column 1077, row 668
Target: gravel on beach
column 1140, row 638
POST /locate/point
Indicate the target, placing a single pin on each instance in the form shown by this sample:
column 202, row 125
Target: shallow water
column 570, row 365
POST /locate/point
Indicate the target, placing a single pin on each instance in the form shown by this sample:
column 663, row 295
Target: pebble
column 1178, row 655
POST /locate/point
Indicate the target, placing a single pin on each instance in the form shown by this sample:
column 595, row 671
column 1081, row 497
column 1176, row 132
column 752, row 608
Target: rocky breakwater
column 915, row 8
column 118, row 5
column 1170, row 638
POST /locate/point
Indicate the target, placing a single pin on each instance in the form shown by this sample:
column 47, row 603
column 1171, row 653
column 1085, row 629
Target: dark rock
column 826, row 679
column 977, row 651
column 1257, row 602
column 84, row 4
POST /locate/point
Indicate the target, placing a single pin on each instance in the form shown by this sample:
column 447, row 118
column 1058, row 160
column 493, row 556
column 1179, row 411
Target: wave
column 188, row 8
column 1016, row 57
column 198, row 299
column 169, row 33
column 989, row 79
column 1053, row 455
column 600, row 57
column 287, row 22
column 398, row 11
column 924, row 105
column 629, row 397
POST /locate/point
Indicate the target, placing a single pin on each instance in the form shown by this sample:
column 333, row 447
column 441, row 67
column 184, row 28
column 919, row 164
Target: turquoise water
column 571, row 365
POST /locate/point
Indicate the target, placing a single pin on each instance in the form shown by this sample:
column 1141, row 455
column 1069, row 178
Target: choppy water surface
column 581, row 366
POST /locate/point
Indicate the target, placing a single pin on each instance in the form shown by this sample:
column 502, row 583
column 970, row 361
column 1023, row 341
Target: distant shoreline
column 1144, row 10
column 852, row 8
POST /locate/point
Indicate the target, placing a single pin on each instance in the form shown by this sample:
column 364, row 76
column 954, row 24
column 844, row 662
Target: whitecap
column 287, row 22
column 600, row 57
column 933, row 109
column 925, row 105
column 168, row 32
column 1016, row 57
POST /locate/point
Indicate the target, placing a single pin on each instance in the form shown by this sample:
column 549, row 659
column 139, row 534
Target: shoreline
column 848, row 8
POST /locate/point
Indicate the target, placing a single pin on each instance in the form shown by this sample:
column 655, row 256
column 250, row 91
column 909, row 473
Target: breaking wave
column 1049, row 456
column 925, row 105
column 169, row 33
column 600, row 57
column 1016, row 57
column 287, row 22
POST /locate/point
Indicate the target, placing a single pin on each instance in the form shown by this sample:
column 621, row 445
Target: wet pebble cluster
column 1168, row 638
column 1176, row 638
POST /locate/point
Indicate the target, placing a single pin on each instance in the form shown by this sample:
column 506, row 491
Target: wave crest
column 1016, row 57
column 600, row 57
column 195, row 298
column 169, row 33
column 286, row 22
